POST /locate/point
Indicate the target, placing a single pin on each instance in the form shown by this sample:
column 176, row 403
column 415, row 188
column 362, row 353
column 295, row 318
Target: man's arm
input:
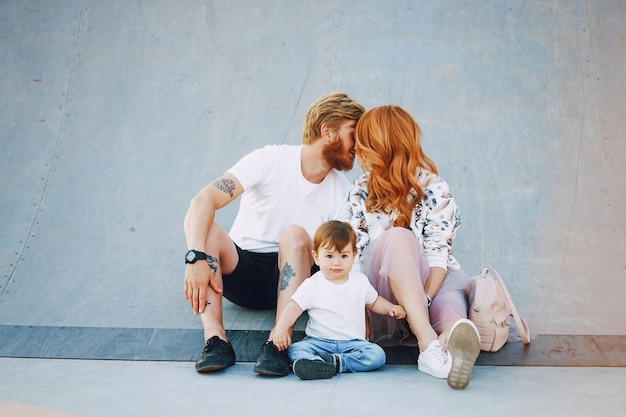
column 197, row 225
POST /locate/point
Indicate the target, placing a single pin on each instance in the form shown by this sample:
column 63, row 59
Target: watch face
column 191, row 256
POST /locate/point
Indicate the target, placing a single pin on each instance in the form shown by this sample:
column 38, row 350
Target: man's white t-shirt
column 277, row 195
column 336, row 311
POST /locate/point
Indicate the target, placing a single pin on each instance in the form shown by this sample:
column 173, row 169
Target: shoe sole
column 212, row 368
column 430, row 371
column 464, row 347
column 309, row 369
column 261, row 369
column 266, row 372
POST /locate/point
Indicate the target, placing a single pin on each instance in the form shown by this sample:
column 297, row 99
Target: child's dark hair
column 334, row 234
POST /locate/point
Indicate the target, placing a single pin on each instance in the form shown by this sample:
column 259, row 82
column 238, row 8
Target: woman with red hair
column 405, row 218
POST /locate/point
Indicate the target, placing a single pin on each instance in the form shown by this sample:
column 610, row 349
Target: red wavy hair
column 388, row 148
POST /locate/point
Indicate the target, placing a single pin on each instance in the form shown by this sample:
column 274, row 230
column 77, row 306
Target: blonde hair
column 387, row 145
column 332, row 109
column 334, row 234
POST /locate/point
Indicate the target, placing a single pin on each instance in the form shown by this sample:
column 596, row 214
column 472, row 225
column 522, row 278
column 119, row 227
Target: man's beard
column 336, row 157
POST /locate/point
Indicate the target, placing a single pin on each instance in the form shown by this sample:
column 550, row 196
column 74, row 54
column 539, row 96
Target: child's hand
column 397, row 312
column 281, row 340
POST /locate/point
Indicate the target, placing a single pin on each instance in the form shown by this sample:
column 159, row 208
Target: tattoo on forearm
column 214, row 263
column 285, row 276
column 226, row 185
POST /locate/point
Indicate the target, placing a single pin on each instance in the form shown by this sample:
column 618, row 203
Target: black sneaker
column 313, row 369
column 217, row 354
column 332, row 359
column 272, row 362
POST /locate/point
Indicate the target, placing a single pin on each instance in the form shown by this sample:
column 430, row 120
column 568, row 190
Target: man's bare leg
column 217, row 353
column 294, row 263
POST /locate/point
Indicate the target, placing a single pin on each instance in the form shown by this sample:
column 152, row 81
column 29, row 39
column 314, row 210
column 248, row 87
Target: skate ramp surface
column 114, row 114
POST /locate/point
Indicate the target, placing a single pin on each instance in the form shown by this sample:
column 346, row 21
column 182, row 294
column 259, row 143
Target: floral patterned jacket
column 434, row 220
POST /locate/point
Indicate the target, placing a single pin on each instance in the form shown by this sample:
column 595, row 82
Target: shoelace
column 209, row 345
column 212, row 344
column 439, row 354
column 269, row 347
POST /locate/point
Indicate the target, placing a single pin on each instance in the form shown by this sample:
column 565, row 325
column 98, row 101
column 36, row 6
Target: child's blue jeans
column 354, row 355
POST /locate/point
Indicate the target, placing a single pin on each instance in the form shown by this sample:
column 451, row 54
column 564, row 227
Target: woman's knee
column 402, row 242
column 447, row 309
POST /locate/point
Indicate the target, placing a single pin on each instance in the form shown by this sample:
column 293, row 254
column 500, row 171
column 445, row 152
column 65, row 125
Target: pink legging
column 449, row 304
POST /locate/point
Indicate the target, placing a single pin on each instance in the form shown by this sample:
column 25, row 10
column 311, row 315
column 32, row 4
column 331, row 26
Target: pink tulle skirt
column 449, row 304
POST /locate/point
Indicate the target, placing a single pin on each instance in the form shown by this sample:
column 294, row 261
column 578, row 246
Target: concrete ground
column 113, row 388
column 114, row 114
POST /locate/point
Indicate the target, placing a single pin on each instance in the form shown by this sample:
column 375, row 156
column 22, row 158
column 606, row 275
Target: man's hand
column 198, row 278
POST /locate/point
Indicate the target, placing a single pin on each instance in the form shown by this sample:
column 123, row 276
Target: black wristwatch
column 429, row 300
column 193, row 256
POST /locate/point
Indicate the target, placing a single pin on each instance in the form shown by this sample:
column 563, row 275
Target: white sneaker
column 434, row 360
column 464, row 347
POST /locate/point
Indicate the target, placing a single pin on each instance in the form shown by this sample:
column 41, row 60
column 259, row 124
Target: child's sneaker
column 464, row 347
column 313, row 369
column 434, row 360
column 333, row 359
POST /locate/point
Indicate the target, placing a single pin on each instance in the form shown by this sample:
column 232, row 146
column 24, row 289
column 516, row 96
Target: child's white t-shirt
column 336, row 311
column 277, row 195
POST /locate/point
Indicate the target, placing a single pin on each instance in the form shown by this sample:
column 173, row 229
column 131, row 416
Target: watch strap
column 198, row 256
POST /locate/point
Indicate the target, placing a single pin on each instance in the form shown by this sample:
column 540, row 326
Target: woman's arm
column 434, row 281
column 356, row 214
column 441, row 220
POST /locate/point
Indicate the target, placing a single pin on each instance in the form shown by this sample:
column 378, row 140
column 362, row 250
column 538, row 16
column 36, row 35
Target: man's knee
column 220, row 244
column 217, row 234
column 295, row 237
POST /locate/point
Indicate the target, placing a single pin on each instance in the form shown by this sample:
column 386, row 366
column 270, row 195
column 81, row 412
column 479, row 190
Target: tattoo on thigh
column 226, row 185
column 285, row 276
column 214, row 263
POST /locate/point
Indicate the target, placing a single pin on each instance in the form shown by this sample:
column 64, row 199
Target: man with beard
column 286, row 192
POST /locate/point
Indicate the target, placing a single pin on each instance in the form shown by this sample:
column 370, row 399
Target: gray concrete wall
column 114, row 114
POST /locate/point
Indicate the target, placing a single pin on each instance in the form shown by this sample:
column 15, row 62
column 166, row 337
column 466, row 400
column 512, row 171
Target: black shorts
column 254, row 282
